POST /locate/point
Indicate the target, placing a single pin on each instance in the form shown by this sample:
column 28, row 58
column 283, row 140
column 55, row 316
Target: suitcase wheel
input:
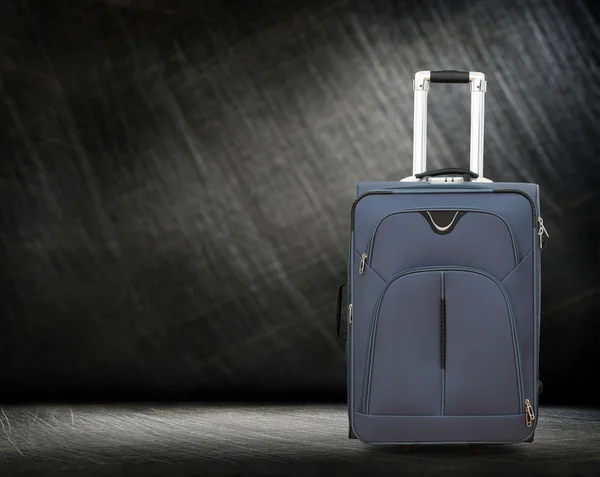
column 477, row 449
column 351, row 434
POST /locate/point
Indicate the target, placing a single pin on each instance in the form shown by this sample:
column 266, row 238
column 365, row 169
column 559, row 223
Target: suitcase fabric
column 444, row 300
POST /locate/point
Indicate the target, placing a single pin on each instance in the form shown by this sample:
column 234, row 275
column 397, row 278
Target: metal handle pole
column 421, row 88
column 420, row 134
column 421, row 83
column 478, row 88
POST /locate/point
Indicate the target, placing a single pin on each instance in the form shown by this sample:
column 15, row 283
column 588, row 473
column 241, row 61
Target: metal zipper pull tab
column 541, row 231
column 350, row 313
column 361, row 268
column 529, row 415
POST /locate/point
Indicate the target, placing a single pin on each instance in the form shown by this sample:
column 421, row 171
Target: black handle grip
column 447, row 171
column 339, row 310
column 449, row 76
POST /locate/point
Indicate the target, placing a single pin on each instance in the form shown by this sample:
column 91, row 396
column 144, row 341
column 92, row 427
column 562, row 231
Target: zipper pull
column 529, row 415
column 361, row 268
column 350, row 313
column 541, row 231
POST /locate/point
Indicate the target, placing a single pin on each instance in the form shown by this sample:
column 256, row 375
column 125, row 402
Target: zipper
column 529, row 415
column 369, row 253
column 374, row 322
column 436, row 189
column 405, row 190
column 527, row 196
column 541, row 231
column 443, row 341
column 361, row 267
column 350, row 313
column 362, row 196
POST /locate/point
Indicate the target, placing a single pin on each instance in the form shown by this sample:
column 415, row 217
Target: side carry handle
column 338, row 315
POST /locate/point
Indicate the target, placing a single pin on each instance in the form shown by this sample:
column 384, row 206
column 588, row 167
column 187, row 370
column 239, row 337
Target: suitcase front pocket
column 438, row 237
column 403, row 374
column 443, row 342
column 483, row 370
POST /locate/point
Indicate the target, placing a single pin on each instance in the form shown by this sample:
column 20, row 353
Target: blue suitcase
column 444, row 299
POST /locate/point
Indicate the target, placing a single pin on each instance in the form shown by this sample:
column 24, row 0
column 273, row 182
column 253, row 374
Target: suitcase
column 444, row 298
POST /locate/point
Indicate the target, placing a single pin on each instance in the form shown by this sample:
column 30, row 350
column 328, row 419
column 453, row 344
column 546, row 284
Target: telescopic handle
column 421, row 84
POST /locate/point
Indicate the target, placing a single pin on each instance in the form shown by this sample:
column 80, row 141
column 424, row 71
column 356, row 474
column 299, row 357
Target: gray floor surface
column 194, row 439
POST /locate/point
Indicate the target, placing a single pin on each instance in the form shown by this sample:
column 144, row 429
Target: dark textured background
column 176, row 181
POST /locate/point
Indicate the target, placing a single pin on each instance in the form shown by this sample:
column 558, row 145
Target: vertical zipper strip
column 443, row 338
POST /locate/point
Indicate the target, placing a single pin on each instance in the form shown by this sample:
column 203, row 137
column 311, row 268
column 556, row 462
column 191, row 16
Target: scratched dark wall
column 176, row 181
